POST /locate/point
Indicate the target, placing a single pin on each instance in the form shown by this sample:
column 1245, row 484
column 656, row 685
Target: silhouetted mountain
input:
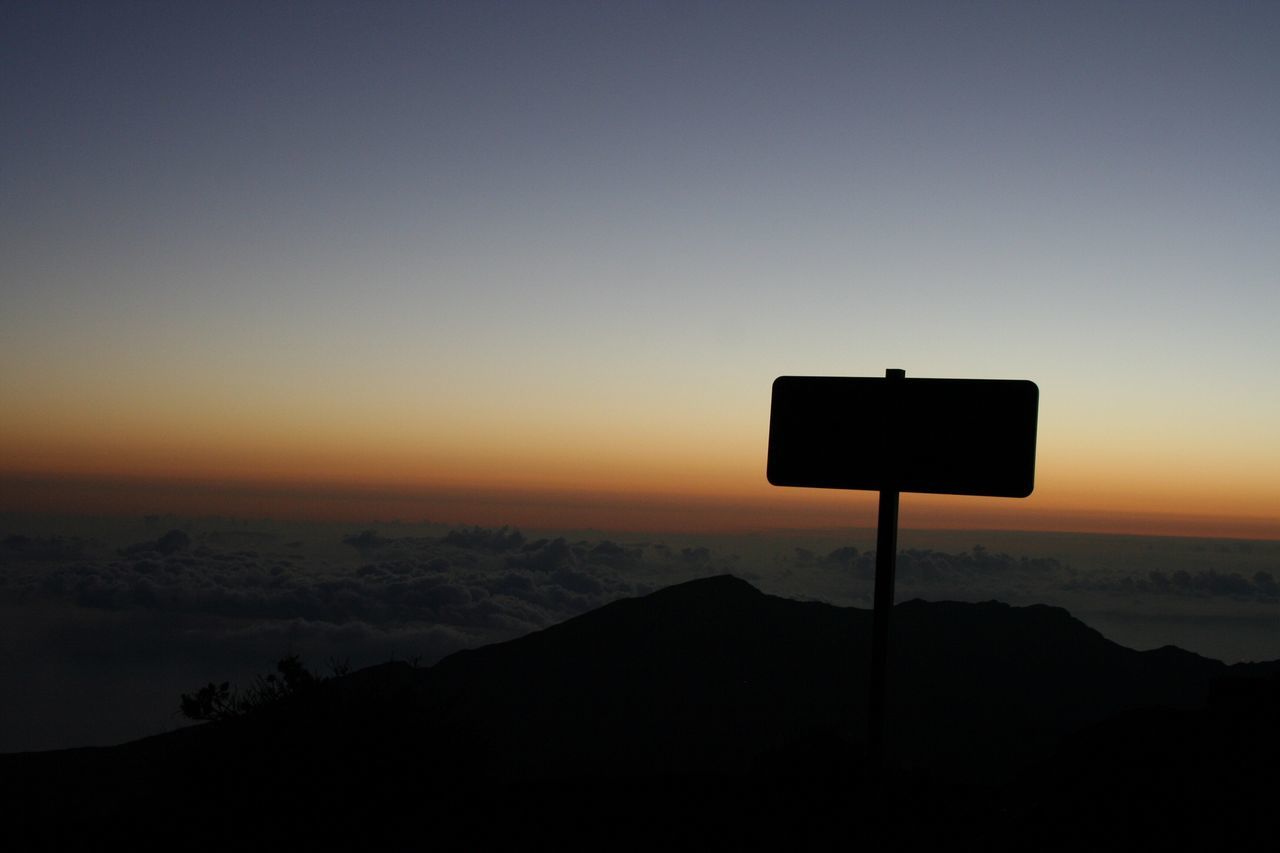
column 703, row 714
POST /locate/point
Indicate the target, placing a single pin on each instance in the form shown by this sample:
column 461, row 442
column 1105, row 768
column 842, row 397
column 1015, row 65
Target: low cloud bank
column 199, row 602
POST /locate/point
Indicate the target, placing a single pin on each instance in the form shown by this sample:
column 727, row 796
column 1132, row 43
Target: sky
column 539, row 263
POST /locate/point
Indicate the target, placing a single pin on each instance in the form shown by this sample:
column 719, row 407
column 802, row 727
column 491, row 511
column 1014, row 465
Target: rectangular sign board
column 943, row 436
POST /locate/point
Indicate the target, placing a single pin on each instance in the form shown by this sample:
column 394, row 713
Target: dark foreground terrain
column 706, row 715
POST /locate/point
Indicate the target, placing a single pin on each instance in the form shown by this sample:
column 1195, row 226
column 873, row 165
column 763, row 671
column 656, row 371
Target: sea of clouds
column 107, row 625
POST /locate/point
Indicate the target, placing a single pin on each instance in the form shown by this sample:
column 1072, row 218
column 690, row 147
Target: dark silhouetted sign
column 944, row 436
column 891, row 435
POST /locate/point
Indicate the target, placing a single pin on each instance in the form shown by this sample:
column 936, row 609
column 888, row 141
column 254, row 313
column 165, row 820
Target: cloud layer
column 200, row 601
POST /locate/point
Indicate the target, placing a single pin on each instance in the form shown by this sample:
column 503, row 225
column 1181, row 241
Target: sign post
column 892, row 435
column 886, row 567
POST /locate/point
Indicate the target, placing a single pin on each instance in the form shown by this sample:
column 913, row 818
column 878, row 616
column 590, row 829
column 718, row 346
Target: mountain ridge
column 710, row 690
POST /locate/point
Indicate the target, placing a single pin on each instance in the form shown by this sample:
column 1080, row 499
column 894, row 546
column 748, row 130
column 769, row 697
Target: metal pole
column 886, row 559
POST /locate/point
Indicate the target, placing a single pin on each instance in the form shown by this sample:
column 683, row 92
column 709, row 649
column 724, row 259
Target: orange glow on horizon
column 762, row 510
column 544, row 472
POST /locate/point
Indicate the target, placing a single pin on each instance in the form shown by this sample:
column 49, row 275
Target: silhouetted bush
column 211, row 702
column 221, row 702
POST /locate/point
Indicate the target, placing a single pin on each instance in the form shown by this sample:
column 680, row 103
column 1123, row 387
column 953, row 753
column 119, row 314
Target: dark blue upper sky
column 593, row 213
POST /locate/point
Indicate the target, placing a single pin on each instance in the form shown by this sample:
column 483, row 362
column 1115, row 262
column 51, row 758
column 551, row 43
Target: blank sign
column 943, row 436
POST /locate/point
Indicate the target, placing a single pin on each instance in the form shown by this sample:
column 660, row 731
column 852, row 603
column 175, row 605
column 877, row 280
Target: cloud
column 545, row 556
column 170, row 543
column 478, row 538
column 615, row 556
column 365, row 541
column 924, row 567
column 468, row 579
column 224, row 601
column 19, row 547
column 699, row 555
column 1262, row 587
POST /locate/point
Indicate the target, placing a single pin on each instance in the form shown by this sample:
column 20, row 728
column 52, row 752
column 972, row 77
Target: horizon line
column 775, row 512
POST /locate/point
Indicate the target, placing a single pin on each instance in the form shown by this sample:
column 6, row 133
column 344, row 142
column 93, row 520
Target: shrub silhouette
column 211, row 702
column 222, row 702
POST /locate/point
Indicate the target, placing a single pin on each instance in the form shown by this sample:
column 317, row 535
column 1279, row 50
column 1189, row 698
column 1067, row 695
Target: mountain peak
column 718, row 586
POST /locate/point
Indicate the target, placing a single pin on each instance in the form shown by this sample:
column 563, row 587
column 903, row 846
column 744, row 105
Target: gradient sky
column 540, row 262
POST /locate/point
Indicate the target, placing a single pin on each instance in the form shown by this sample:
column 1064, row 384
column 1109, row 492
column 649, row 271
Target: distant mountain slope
column 726, row 673
column 709, row 686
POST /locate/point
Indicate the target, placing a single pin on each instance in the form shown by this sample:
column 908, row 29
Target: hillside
column 706, row 710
